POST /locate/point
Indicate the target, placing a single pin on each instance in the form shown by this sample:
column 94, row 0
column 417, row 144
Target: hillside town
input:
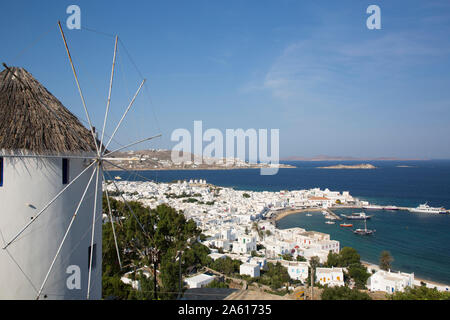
column 241, row 225
column 161, row 159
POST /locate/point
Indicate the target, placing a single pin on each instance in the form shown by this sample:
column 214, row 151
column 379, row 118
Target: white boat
column 329, row 222
column 390, row 208
column 425, row 208
column 308, row 215
column 357, row 216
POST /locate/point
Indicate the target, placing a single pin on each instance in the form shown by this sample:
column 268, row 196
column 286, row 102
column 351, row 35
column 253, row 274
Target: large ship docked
column 425, row 208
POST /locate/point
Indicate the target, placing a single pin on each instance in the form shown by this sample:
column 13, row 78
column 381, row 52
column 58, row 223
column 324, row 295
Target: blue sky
column 309, row 68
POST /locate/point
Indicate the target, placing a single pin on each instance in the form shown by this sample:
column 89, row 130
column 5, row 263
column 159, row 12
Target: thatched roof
column 32, row 119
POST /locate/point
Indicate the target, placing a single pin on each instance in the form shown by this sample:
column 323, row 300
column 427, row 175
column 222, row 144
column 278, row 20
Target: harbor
column 279, row 214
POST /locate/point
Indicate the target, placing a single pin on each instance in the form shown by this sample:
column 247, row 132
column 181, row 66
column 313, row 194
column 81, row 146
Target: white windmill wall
column 28, row 185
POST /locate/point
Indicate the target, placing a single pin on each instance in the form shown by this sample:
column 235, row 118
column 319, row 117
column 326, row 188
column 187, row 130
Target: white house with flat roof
column 297, row 270
column 199, row 281
column 245, row 244
column 390, row 282
column 250, row 269
column 333, row 277
column 262, row 262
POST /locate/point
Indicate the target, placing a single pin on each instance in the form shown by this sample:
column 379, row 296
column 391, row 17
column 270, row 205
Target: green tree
column 114, row 288
column 359, row 274
column 420, row 293
column 287, row 257
column 343, row 293
column 226, row 266
column 217, row 284
column 385, row 260
column 146, row 238
column 333, row 259
column 276, row 276
column 348, row 256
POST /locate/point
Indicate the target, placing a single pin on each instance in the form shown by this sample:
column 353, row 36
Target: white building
column 262, row 262
column 297, row 270
column 249, row 269
column 199, row 281
column 330, row 276
column 28, row 185
column 244, row 244
column 390, row 282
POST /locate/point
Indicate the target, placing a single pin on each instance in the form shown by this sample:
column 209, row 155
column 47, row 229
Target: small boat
column 346, row 225
column 118, row 178
column 329, row 222
column 364, row 231
column 308, row 215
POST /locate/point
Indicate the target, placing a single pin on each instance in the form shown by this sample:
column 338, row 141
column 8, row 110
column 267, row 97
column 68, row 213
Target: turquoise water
column 419, row 243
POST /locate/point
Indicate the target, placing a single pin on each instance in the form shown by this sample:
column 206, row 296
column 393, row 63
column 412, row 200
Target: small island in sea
column 355, row 166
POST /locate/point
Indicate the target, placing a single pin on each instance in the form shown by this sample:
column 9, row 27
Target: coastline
column 284, row 213
column 111, row 168
column 430, row 283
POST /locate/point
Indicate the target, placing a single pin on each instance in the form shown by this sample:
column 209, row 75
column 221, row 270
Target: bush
column 217, row 284
column 420, row 293
column 343, row 293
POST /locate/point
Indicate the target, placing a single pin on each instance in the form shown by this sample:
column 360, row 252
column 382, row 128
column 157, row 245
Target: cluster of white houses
column 234, row 223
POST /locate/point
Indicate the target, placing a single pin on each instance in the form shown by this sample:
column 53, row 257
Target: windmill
column 51, row 175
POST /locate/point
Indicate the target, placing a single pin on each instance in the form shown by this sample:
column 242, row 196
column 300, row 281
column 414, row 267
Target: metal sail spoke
column 109, row 92
column 132, row 144
column 79, row 88
column 112, row 225
column 93, row 233
column 129, row 207
column 65, row 235
column 47, row 205
column 125, row 113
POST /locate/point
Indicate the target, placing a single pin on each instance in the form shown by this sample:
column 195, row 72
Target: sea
column 418, row 242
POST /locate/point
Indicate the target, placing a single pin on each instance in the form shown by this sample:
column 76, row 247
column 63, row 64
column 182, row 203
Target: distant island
column 355, row 166
column 344, row 158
